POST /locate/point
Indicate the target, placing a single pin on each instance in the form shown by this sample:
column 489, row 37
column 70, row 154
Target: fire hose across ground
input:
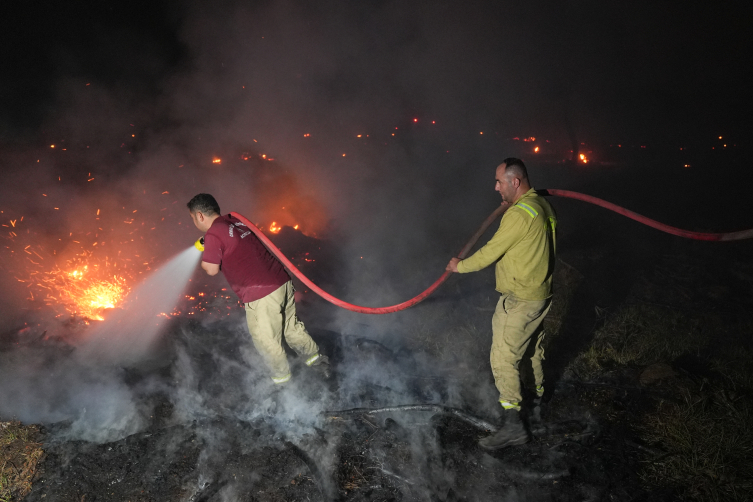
column 729, row 236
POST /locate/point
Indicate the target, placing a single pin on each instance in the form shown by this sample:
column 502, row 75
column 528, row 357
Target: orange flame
column 583, row 158
column 80, row 292
column 274, row 228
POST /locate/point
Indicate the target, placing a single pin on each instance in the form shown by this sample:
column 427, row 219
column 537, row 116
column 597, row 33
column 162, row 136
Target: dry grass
column 640, row 335
column 706, row 434
column 734, row 360
column 708, row 439
column 566, row 282
column 19, row 454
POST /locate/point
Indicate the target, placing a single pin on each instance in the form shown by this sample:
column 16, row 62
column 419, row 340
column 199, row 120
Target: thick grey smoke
column 43, row 384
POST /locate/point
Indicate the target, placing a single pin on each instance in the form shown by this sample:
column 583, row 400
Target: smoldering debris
column 204, row 423
column 432, row 409
column 200, row 420
column 45, row 383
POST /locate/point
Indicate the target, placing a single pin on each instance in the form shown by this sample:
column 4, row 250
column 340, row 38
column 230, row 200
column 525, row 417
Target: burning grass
column 83, row 292
column 20, row 452
column 84, row 284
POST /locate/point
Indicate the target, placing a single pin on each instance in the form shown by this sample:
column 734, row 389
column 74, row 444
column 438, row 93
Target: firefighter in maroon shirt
column 262, row 284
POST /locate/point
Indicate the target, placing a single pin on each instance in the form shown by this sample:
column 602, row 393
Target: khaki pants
column 514, row 324
column 269, row 319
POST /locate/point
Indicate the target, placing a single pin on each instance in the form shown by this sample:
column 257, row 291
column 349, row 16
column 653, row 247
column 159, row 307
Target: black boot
column 512, row 433
column 321, row 366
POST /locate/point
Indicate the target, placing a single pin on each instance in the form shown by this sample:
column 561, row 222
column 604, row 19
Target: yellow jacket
column 523, row 247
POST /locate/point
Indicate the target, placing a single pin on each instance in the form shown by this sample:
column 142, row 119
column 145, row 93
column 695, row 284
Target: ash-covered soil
column 200, row 420
column 210, row 427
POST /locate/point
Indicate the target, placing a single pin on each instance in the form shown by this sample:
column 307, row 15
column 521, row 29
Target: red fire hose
column 730, row 236
column 356, row 308
column 699, row 236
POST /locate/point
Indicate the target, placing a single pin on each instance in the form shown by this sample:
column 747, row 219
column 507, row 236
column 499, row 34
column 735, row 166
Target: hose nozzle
column 199, row 244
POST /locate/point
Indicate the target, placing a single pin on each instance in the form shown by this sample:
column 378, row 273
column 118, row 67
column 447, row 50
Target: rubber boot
column 321, row 366
column 512, row 433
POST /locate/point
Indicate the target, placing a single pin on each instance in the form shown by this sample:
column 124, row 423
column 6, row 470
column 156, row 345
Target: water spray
column 128, row 334
column 727, row 236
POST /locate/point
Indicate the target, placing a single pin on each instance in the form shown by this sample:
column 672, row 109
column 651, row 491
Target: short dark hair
column 204, row 203
column 516, row 168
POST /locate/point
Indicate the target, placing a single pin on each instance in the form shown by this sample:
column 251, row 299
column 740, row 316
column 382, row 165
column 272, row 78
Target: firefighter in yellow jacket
column 524, row 251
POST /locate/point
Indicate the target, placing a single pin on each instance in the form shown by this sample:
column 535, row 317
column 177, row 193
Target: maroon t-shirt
column 252, row 271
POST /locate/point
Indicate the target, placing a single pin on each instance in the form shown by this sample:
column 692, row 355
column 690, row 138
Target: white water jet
column 127, row 335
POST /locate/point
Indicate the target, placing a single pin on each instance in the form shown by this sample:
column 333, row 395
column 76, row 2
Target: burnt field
column 362, row 139
column 647, row 397
column 648, row 392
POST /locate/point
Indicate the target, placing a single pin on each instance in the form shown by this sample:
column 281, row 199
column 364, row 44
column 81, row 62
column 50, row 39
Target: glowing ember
column 82, row 293
column 82, row 285
column 274, row 227
column 536, row 150
column 216, row 160
column 583, row 158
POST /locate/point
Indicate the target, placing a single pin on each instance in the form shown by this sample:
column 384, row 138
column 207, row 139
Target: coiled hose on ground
column 729, row 236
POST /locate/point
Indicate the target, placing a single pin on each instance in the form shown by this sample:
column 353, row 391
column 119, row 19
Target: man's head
column 512, row 179
column 204, row 210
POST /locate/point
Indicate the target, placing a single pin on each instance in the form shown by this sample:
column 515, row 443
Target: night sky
column 385, row 120
column 618, row 71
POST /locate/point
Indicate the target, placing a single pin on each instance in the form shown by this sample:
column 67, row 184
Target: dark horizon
column 614, row 72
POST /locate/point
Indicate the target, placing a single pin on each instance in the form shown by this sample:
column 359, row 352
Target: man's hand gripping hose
column 730, row 236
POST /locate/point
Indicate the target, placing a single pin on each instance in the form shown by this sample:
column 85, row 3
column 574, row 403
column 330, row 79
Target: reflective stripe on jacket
column 523, row 247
